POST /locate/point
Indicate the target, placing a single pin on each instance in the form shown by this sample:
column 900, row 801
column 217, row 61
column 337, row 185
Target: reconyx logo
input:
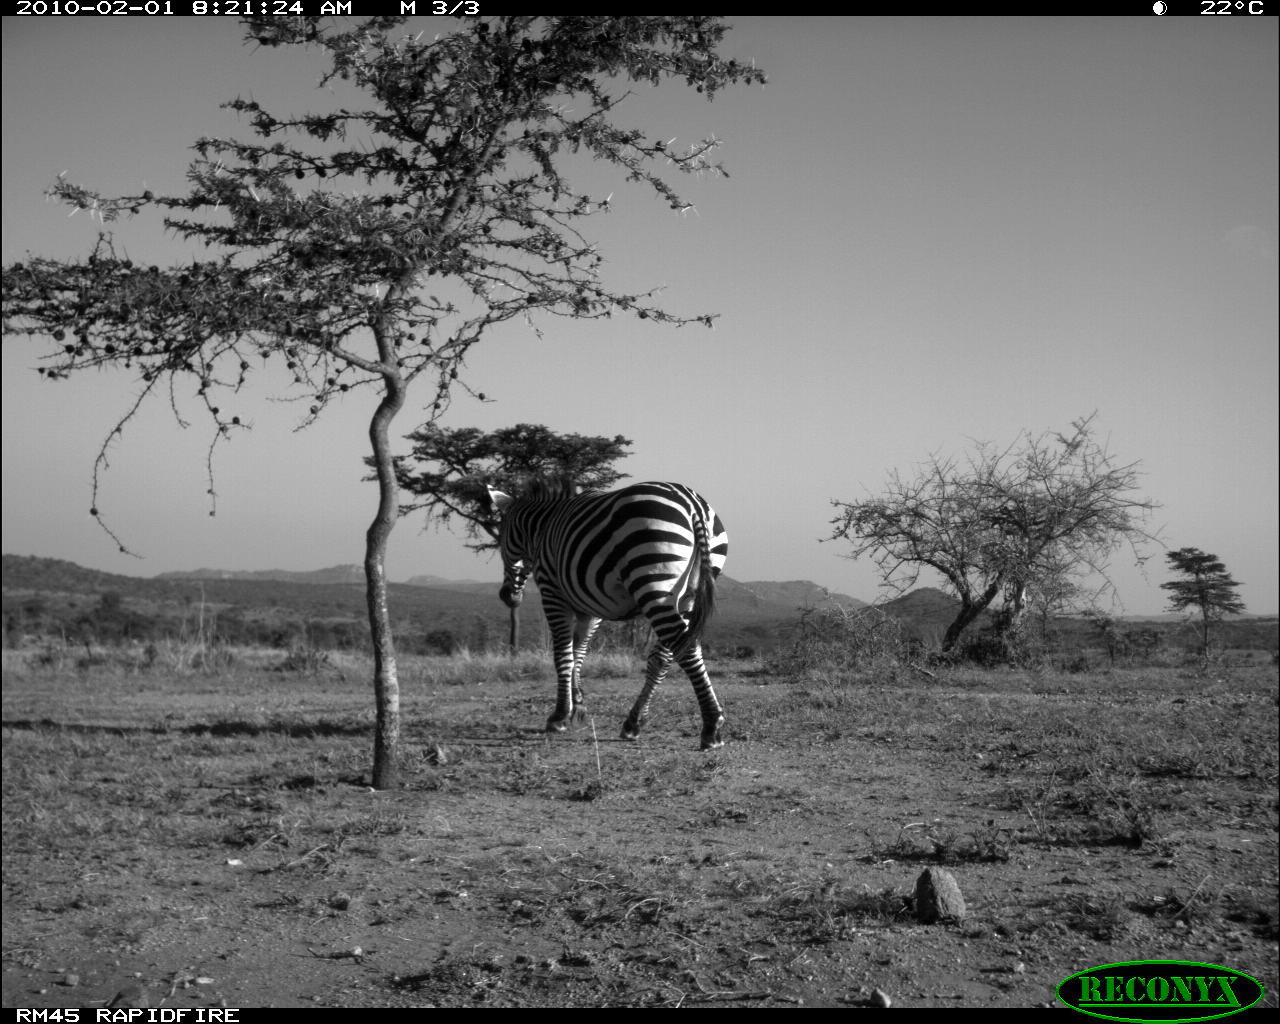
column 1165, row 990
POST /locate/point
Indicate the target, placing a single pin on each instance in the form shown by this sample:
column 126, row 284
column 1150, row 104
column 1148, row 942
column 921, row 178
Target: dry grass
column 174, row 811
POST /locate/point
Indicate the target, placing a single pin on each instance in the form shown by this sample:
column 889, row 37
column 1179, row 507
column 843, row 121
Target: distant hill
column 760, row 596
column 49, row 596
column 45, row 596
column 927, row 604
column 21, row 572
column 927, row 601
column 757, row 614
column 335, row 574
column 798, row 594
column 465, row 586
column 755, row 599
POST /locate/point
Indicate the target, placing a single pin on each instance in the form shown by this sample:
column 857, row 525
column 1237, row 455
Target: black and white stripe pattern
column 652, row 549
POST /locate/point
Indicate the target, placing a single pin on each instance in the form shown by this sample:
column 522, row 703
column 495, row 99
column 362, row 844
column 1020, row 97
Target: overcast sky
column 936, row 232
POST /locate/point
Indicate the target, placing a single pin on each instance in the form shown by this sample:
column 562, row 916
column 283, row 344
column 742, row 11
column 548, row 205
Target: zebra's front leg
column 712, row 714
column 655, row 671
column 562, row 646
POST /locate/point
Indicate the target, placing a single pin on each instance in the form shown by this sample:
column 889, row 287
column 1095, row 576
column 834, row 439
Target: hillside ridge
column 28, row 572
column 759, row 607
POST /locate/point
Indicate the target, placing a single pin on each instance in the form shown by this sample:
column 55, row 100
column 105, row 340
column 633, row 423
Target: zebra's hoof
column 556, row 725
column 711, row 738
column 630, row 732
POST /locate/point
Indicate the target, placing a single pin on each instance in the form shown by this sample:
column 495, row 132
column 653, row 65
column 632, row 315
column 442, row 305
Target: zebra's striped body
column 651, row 549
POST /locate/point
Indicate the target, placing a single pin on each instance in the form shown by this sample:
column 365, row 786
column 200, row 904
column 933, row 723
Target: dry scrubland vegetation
column 58, row 604
column 203, row 821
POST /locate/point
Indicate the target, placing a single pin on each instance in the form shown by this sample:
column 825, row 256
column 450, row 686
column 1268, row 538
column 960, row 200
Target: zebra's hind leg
column 655, row 671
column 712, row 714
column 570, row 645
column 584, row 628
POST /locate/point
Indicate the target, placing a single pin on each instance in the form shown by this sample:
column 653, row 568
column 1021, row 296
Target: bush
column 302, row 658
column 441, row 641
column 839, row 640
column 991, row 648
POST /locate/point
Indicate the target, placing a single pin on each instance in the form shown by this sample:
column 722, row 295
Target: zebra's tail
column 704, row 594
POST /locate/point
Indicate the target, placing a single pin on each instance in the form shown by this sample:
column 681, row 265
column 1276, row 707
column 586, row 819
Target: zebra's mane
column 552, row 488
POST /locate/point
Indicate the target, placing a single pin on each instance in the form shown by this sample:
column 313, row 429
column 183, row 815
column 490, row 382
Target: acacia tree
column 1002, row 522
column 450, row 468
column 1205, row 585
column 372, row 246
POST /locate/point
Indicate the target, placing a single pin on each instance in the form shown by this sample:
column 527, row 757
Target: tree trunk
column 1016, row 600
column 386, row 685
column 970, row 609
column 1013, row 621
column 968, row 612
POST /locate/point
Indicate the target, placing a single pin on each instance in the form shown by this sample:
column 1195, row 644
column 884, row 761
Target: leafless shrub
column 835, row 641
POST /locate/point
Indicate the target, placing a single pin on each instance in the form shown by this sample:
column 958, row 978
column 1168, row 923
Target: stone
column 938, row 897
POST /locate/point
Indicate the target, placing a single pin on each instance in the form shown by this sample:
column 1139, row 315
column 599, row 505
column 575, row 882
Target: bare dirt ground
column 210, row 840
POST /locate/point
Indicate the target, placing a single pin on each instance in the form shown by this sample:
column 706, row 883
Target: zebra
column 652, row 549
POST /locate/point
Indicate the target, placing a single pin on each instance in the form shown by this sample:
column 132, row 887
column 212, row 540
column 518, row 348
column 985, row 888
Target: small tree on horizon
column 450, row 468
column 1205, row 585
column 1002, row 523
column 373, row 245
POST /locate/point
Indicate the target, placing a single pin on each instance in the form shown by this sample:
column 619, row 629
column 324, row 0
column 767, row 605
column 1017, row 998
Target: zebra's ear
column 498, row 501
